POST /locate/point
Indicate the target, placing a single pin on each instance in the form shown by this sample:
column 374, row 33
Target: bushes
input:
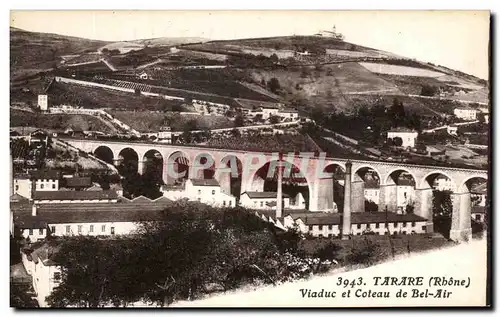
column 367, row 253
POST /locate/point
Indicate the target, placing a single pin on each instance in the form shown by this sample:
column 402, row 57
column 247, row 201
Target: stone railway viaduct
column 320, row 187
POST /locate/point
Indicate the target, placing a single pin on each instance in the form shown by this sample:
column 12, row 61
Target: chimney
column 279, row 196
column 33, row 209
column 346, row 216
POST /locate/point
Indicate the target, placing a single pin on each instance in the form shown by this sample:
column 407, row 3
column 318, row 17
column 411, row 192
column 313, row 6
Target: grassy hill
column 32, row 51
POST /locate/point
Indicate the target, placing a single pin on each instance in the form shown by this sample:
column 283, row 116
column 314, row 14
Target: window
column 311, row 228
column 413, row 224
column 386, row 233
column 255, row 203
column 68, row 229
column 404, row 224
column 199, row 199
column 91, row 228
column 377, row 225
column 41, row 186
column 112, row 230
column 230, row 203
column 478, row 217
column 404, row 194
column 213, row 191
column 359, row 226
column 223, row 203
column 31, row 232
column 330, row 227
column 103, row 228
column 262, row 204
column 199, row 191
column 423, row 228
column 17, row 187
column 57, row 276
column 320, row 227
column 40, row 232
column 53, row 186
column 79, row 228
column 53, row 229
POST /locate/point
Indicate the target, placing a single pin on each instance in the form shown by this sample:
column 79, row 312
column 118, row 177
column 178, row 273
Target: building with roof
column 77, row 182
column 26, row 184
column 268, row 200
column 329, row 225
column 479, row 193
column 289, row 114
column 206, row 191
column 372, row 191
column 452, row 129
column 465, row 113
column 74, row 197
column 37, row 221
column 407, row 135
column 442, row 182
column 45, row 274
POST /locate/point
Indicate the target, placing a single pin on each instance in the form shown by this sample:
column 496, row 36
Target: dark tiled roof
column 88, row 213
column 205, row 182
column 78, row 182
column 478, row 209
column 16, row 198
column 263, row 195
column 45, row 174
column 75, row 195
column 359, row 218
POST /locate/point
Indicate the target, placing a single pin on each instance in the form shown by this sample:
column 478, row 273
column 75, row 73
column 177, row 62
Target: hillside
column 31, row 52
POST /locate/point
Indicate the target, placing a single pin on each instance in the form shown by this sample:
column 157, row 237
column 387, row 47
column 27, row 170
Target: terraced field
column 399, row 70
column 148, row 121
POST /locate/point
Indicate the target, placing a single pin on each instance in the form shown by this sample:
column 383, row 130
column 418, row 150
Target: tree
column 370, row 206
column 274, row 85
column 428, row 90
column 398, row 141
column 274, row 58
column 397, row 112
column 441, row 203
column 239, row 121
column 274, row 119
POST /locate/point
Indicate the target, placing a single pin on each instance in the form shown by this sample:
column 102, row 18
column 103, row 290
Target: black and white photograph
column 175, row 159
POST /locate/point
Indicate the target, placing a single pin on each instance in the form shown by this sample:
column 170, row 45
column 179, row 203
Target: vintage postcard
column 250, row 159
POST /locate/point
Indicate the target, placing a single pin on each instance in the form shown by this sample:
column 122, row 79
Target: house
column 442, row 182
column 372, row 191
column 165, row 133
column 37, row 221
column 465, row 113
column 206, row 191
column 330, row 225
column 26, row 184
column 289, row 114
column 38, row 262
column 264, row 200
column 435, row 150
column 452, row 129
column 478, row 194
column 38, row 137
column 407, row 136
column 43, row 102
column 77, row 182
column 74, row 197
column 405, row 193
column 478, row 213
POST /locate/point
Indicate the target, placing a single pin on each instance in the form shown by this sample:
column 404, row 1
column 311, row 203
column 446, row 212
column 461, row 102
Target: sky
column 456, row 39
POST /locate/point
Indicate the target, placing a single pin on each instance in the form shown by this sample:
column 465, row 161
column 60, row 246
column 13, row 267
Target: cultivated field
column 148, row 121
column 399, row 70
column 58, row 121
column 84, row 58
column 80, row 96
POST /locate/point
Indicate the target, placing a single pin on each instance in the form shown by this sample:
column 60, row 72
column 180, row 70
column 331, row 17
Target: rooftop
column 358, row 218
column 205, row 182
column 480, row 189
column 78, row 182
column 75, row 195
column 263, row 195
column 90, row 213
column 402, row 129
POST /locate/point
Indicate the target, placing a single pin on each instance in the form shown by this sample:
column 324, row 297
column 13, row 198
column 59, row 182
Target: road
column 460, row 262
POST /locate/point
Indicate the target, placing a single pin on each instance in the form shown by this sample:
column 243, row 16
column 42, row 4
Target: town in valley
column 149, row 171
